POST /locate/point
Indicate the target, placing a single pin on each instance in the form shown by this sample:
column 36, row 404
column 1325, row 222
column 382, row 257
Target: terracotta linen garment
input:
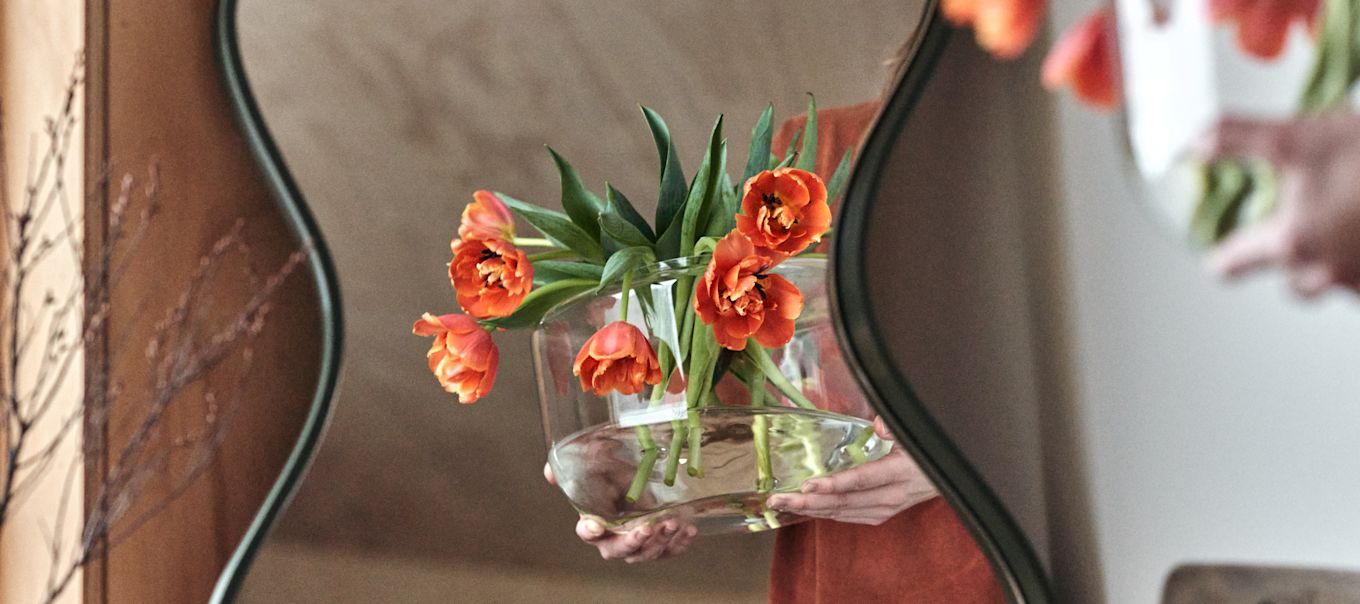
column 923, row 554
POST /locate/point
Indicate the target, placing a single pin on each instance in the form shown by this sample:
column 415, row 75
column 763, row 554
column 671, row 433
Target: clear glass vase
column 631, row 460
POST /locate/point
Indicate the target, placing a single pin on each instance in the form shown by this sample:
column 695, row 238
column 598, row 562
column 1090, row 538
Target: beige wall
column 39, row 41
column 390, row 114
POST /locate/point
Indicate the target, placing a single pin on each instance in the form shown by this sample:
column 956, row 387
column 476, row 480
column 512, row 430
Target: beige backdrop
column 390, row 114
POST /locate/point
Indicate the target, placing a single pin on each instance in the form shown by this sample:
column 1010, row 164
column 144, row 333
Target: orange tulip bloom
column 740, row 299
column 619, row 358
column 1003, row 27
column 1087, row 59
column 463, row 358
column 1263, row 25
column 784, row 211
column 490, row 276
column 486, row 218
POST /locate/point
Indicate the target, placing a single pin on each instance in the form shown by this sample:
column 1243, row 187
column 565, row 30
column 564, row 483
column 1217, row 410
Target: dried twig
column 46, row 332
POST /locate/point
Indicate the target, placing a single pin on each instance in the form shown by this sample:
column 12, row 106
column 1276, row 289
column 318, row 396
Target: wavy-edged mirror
column 388, row 116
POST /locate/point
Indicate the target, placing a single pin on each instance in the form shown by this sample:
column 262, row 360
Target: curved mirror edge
column 322, row 268
column 1010, row 552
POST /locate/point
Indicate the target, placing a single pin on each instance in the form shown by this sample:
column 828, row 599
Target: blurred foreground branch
column 56, row 308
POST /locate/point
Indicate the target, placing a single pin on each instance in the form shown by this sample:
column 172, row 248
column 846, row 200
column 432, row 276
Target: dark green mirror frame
column 322, row 269
column 1012, row 558
column 1013, row 561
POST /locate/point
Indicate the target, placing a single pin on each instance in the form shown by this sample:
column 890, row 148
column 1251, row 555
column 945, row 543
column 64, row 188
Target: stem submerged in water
column 644, row 433
column 761, row 357
column 644, row 470
column 856, row 447
column 760, row 436
column 696, row 432
column 673, row 457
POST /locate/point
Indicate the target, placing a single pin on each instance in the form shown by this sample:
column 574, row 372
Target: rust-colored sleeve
column 923, row 554
column 838, row 129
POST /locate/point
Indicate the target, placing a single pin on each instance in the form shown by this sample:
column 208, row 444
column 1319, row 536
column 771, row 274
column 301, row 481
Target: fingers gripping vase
column 769, row 421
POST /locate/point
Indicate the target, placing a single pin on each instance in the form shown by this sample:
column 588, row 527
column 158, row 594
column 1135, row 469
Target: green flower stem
column 684, row 290
column 757, row 353
column 553, row 255
column 760, row 434
column 624, row 295
column 644, row 470
column 709, row 398
column 753, row 522
column 644, row 433
column 856, row 449
column 696, row 432
column 678, row 431
column 760, row 518
column 640, row 479
column 772, row 519
column 531, row 242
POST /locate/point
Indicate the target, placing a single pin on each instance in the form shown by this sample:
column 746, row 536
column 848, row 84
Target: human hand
column 642, row 544
column 869, row 494
column 1314, row 233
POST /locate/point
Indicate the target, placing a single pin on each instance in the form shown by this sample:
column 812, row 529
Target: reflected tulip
column 784, row 211
column 1263, row 25
column 1087, row 59
column 1003, row 27
column 463, row 357
column 490, row 276
column 740, row 299
column 617, row 358
column 486, row 218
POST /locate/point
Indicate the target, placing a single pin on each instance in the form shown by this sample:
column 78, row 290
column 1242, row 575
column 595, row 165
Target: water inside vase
column 598, row 466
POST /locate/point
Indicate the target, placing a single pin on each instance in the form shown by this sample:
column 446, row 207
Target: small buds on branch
column 46, row 437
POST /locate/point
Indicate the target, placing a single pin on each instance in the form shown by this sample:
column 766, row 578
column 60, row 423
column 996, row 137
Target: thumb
column 881, row 429
column 1258, row 247
column 589, row 529
column 548, row 475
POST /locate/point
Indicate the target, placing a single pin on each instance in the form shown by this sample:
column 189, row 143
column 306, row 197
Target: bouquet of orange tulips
column 727, row 317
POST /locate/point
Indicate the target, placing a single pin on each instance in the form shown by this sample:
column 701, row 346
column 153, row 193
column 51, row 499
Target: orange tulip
column 740, row 299
column 617, row 358
column 1263, row 25
column 1087, row 59
column 463, row 358
column 490, row 276
column 960, row 12
column 784, row 211
column 1003, row 27
column 486, row 218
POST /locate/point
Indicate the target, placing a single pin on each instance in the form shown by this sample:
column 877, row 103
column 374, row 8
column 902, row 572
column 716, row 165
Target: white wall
column 1219, row 422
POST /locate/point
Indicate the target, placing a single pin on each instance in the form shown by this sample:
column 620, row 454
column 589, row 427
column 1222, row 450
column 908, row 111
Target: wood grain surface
column 162, row 102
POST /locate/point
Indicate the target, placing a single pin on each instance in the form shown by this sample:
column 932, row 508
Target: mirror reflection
column 966, row 316
column 390, row 118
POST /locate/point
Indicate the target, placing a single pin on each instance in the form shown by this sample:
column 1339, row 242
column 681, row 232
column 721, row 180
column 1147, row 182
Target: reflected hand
column 869, row 494
column 1313, row 233
column 641, row 544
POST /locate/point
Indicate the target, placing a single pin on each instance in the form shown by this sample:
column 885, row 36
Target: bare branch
column 152, row 463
